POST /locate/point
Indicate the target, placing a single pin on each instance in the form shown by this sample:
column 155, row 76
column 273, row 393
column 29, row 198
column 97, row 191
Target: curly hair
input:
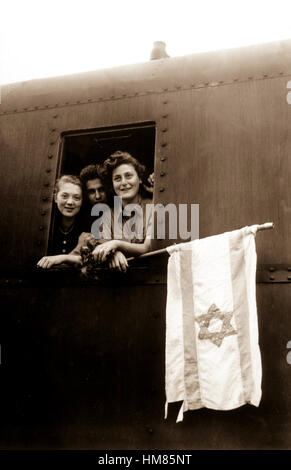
column 115, row 160
column 90, row 172
column 67, row 179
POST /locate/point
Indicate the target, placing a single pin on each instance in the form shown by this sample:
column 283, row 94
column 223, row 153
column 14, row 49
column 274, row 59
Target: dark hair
column 90, row 172
column 67, row 179
column 115, row 160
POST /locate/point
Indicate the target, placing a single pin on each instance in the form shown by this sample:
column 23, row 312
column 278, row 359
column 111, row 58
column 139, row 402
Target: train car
column 83, row 360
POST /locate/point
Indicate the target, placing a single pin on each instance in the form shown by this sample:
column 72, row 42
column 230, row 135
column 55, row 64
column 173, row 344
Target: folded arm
column 101, row 252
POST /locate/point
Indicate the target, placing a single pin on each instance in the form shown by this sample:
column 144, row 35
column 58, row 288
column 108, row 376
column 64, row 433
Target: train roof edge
column 208, row 68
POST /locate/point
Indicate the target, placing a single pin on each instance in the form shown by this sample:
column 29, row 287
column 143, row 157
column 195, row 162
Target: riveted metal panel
column 228, row 150
column 28, row 163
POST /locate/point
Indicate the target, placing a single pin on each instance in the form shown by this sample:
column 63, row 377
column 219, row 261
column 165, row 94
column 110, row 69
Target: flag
column 212, row 353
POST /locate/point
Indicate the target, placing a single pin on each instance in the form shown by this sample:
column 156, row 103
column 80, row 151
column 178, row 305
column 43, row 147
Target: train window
column 82, row 148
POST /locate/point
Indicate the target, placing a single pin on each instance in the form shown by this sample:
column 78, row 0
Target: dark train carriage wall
column 77, row 360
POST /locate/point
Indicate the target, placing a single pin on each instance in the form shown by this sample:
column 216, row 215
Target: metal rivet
column 52, row 143
column 272, row 278
column 164, row 130
column 164, row 144
column 163, row 159
column 161, row 190
column 162, row 173
column 272, row 269
column 289, row 268
column 41, row 228
column 48, row 170
column 50, row 156
column 165, row 102
column 43, row 213
column 289, row 278
column 165, row 116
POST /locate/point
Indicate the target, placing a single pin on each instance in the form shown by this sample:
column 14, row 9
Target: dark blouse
column 61, row 242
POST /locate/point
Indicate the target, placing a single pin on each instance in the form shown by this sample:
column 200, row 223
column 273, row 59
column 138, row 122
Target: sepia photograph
column 145, row 157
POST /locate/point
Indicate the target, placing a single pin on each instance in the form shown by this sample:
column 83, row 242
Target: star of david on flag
column 215, row 336
column 212, row 353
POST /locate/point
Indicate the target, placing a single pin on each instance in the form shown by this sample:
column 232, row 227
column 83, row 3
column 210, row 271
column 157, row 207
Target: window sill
column 147, row 271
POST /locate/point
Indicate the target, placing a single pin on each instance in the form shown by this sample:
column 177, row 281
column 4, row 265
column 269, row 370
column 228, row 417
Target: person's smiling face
column 69, row 199
column 126, row 182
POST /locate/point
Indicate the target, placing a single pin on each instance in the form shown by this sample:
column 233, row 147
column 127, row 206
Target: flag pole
column 265, row 226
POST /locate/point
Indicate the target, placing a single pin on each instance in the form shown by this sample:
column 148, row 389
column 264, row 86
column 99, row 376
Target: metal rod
column 266, row 226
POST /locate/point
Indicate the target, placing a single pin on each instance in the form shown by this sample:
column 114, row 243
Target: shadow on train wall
column 82, row 363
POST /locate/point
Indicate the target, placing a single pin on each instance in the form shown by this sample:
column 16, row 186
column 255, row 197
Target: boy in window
column 94, row 190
